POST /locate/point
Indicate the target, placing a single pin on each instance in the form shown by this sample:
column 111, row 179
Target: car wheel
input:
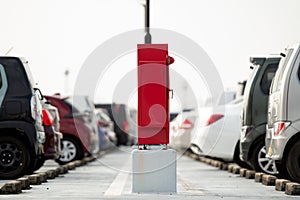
column 293, row 162
column 260, row 162
column 71, row 150
column 40, row 162
column 14, row 157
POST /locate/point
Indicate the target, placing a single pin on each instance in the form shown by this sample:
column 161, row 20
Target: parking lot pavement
column 109, row 178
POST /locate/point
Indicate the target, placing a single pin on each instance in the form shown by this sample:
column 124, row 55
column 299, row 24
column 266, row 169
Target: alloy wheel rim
column 267, row 165
column 68, row 151
column 10, row 156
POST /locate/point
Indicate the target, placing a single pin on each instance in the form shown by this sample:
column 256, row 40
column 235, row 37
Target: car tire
column 14, row 157
column 293, row 162
column 237, row 159
column 259, row 161
column 40, row 162
column 71, row 150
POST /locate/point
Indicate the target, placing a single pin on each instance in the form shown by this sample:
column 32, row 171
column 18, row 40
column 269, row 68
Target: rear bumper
column 52, row 146
column 277, row 144
column 249, row 135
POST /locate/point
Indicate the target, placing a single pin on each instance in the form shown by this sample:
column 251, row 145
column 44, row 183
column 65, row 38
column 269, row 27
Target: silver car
column 282, row 137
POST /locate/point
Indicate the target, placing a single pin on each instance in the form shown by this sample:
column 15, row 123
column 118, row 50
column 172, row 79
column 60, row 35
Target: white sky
column 55, row 35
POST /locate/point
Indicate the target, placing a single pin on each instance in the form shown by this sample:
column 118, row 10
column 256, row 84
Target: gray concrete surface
column 109, row 177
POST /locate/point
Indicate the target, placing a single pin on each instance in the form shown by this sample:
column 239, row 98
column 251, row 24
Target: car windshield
column 69, row 103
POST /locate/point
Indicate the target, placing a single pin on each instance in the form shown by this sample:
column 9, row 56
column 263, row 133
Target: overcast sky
column 58, row 35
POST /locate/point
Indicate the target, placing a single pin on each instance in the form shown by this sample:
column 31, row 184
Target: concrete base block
column 154, row 171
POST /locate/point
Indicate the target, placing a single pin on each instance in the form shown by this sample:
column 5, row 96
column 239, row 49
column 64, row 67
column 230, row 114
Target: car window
column 3, row 83
column 104, row 116
column 267, row 78
column 28, row 72
column 282, row 65
column 299, row 72
column 236, row 101
column 69, row 103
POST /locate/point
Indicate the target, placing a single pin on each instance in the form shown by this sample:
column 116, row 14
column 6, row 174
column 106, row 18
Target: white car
column 183, row 125
column 218, row 131
column 181, row 128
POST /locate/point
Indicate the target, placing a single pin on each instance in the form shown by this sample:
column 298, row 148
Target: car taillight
column 280, row 126
column 47, row 118
column 213, row 118
column 186, row 125
column 126, row 126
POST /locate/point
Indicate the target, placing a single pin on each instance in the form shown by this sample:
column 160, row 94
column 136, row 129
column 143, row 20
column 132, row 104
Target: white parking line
column 117, row 186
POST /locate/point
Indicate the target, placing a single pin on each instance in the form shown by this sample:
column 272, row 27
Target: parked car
column 186, row 122
column 107, row 136
column 21, row 131
column 283, row 136
column 52, row 145
column 80, row 137
column 181, row 128
column 120, row 115
column 219, row 132
column 254, row 114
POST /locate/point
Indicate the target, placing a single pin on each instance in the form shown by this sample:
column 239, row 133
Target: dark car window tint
column 299, row 72
column 69, row 103
column 17, row 78
column 267, row 78
column 0, row 80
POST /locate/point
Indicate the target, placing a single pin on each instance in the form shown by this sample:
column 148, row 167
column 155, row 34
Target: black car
column 21, row 129
column 254, row 114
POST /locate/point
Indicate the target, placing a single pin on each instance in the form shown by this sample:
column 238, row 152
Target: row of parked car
column 259, row 129
column 36, row 127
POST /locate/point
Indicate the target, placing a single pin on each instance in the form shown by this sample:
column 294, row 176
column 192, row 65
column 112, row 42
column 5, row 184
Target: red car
column 80, row 137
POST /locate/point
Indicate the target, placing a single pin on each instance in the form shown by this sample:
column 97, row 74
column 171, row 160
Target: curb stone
column 71, row 166
column 250, row 174
column 34, row 179
column 236, row 170
column 243, row 172
column 268, row 179
column 24, row 183
column 289, row 187
column 292, row 189
column 43, row 176
column 258, row 177
column 51, row 174
column 12, row 187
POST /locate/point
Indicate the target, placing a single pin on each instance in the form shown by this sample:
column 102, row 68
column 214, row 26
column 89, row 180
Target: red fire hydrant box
column 153, row 93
